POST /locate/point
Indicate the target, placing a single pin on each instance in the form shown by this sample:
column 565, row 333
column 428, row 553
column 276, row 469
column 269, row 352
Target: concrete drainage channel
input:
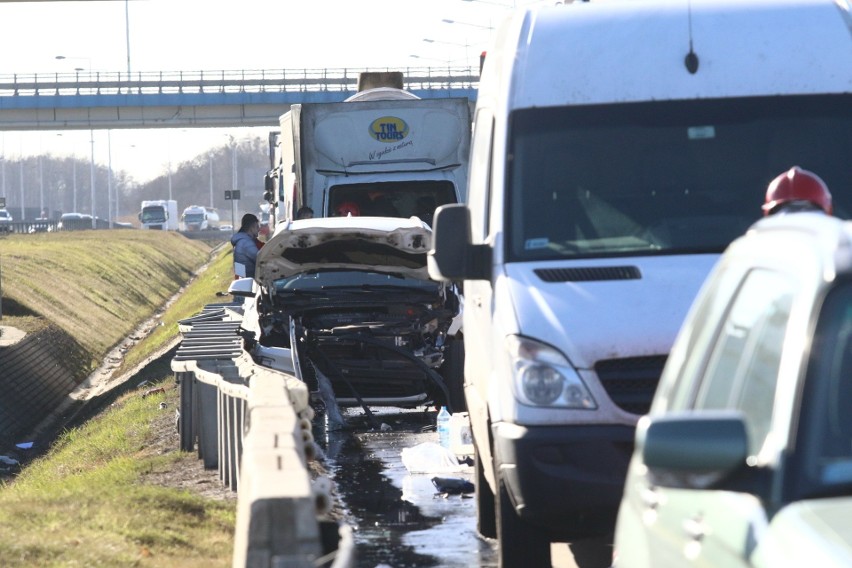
column 253, row 424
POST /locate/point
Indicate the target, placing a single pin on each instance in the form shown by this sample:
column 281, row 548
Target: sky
column 196, row 35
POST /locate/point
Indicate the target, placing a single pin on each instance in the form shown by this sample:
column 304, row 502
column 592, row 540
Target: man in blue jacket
column 246, row 244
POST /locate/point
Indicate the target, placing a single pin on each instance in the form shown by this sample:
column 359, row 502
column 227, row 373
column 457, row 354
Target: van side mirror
column 453, row 256
column 269, row 186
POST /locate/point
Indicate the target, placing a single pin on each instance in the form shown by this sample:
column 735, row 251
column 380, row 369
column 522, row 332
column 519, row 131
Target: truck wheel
column 518, row 542
column 452, row 371
column 486, row 523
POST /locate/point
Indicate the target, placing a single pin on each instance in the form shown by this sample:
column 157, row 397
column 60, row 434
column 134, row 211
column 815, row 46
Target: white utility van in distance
column 618, row 148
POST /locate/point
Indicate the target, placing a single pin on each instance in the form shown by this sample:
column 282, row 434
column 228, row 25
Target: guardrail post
column 185, row 421
column 207, row 422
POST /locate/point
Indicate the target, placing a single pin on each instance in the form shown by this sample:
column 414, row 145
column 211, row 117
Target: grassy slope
column 89, row 501
column 92, row 499
column 98, row 286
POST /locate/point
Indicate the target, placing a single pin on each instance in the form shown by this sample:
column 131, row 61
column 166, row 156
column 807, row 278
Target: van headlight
column 544, row 377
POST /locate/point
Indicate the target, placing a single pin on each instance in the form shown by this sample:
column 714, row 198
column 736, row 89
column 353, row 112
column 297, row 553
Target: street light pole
column 92, row 173
column 40, row 186
column 169, row 155
column 127, row 33
column 210, row 161
column 21, row 174
column 91, row 142
column 233, row 145
column 109, row 180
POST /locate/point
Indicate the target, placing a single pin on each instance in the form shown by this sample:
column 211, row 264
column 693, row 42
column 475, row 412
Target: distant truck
column 160, row 214
column 199, row 218
column 383, row 152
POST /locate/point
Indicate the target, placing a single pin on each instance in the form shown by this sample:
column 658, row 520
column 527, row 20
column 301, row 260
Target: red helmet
column 797, row 184
column 348, row 208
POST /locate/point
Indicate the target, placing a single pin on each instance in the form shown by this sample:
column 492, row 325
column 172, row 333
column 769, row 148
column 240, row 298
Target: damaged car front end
column 349, row 299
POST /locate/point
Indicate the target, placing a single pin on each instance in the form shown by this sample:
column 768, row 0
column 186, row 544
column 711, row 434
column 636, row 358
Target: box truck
column 381, row 152
column 159, row 214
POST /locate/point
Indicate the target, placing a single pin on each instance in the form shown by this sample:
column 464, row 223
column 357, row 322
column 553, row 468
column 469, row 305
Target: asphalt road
column 400, row 518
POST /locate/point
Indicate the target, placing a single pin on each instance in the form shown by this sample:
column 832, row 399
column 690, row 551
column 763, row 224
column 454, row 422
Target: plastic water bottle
column 444, row 427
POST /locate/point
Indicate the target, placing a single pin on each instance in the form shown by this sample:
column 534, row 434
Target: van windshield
column 663, row 177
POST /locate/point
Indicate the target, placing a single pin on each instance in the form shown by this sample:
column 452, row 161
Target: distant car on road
column 226, row 228
column 74, row 221
column 5, row 221
column 745, row 458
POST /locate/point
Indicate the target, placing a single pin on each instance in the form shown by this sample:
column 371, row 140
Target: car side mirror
column 453, row 256
column 695, row 450
column 243, row 287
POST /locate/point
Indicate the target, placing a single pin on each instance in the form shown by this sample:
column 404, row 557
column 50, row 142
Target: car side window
column 742, row 371
column 687, row 358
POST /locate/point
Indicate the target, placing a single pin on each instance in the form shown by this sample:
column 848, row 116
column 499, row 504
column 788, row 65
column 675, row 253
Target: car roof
column 823, row 239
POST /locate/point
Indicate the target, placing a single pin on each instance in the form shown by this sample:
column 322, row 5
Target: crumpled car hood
column 380, row 244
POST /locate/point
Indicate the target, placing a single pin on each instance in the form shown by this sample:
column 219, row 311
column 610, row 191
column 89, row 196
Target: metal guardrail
column 54, row 226
column 233, row 81
column 254, row 424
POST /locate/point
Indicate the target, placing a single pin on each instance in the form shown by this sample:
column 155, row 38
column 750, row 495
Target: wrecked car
column 350, row 299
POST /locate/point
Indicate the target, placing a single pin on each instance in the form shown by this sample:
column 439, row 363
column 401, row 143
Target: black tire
column 518, row 542
column 593, row 552
column 452, row 371
column 486, row 521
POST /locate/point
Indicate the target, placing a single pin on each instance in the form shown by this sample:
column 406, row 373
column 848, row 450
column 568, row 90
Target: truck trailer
column 381, row 152
column 199, row 218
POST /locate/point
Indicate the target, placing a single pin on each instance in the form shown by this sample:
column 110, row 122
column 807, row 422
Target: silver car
column 5, row 221
column 745, row 458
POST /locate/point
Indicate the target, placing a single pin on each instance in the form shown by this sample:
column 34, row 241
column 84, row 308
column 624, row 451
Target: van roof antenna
column 691, row 60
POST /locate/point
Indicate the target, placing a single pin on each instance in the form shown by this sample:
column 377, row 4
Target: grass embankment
column 97, row 286
column 91, row 500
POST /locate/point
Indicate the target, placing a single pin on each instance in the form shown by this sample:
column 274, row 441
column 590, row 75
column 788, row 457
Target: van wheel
column 452, row 371
column 486, row 523
column 519, row 543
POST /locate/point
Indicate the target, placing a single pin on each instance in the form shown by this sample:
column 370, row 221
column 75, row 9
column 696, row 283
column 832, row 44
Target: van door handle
column 695, row 528
column 650, row 498
column 477, row 300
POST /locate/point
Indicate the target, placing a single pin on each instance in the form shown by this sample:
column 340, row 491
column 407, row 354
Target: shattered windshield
column 663, row 178
column 352, row 280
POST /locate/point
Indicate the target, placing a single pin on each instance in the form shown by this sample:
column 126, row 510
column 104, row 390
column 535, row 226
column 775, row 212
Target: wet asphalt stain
column 374, row 505
column 379, row 497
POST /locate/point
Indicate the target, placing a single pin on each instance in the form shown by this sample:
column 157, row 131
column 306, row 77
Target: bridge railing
column 254, row 424
column 224, row 81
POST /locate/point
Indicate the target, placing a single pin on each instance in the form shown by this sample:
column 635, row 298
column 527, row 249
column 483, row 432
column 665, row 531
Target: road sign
column 232, row 194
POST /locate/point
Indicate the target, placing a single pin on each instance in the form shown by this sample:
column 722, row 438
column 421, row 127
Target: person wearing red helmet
column 797, row 189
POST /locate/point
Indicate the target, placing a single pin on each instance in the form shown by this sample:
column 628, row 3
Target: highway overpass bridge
column 107, row 100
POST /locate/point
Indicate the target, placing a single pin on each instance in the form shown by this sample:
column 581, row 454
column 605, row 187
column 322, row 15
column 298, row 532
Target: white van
column 618, row 148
